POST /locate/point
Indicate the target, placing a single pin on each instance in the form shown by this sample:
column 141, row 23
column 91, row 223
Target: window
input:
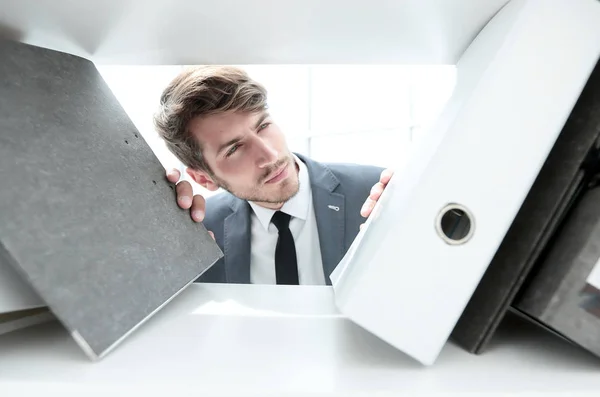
column 366, row 114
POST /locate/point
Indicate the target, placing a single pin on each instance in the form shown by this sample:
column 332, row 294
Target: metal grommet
column 455, row 224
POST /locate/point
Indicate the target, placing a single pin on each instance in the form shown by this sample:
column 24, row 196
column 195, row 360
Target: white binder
column 403, row 279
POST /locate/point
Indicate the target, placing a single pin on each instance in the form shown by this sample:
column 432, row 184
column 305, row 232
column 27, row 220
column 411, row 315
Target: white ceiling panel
column 250, row 31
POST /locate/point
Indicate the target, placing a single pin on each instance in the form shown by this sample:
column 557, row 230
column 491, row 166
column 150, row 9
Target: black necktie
column 286, row 265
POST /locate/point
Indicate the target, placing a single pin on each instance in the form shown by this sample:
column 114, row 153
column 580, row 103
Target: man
column 283, row 218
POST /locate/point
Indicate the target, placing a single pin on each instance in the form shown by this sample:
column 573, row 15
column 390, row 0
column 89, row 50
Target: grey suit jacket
column 345, row 187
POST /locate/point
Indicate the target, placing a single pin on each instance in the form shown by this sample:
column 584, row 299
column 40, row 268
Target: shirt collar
column 297, row 206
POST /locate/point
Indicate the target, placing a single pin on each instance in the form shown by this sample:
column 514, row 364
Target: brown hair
column 203, row 91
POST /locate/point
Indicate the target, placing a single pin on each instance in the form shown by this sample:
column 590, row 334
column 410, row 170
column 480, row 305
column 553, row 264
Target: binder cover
column 14, row 321
column 20, row 305
column 562, row 177
column 87, row 217
column 16, row 295
column 564, row 292
column 413, row 268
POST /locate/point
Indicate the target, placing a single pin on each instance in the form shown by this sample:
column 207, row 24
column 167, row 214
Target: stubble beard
column 287, row 188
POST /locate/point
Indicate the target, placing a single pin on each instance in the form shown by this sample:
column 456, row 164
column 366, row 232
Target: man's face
column 248, row 156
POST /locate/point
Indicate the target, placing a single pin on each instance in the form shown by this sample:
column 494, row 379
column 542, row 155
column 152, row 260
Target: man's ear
column 203, row 179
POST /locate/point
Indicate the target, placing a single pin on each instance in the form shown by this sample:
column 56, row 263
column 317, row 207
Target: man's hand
column 186, row 199
column 376, row 191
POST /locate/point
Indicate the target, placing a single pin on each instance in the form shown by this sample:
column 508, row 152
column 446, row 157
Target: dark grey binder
column 558, row 183
column 559, row 295
column 86, row 215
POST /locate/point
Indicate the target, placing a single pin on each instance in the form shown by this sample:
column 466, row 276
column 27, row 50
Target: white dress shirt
column 303, row 226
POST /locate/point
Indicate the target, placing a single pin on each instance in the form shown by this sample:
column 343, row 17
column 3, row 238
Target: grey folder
column 87, row 217
column 558, row 295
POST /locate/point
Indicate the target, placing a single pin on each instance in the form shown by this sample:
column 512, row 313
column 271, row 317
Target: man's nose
column 266, row 154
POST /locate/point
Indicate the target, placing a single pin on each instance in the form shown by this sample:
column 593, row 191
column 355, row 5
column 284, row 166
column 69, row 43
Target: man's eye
column 233, row 149
column 263, row 126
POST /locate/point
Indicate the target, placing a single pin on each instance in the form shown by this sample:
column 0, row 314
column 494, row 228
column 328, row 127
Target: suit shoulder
column 353, row 168
column 355, row 173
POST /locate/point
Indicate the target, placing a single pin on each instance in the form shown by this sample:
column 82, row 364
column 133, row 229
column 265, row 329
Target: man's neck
column 271, row 206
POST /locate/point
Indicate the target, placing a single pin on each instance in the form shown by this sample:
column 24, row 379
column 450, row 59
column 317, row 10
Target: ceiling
column 250, row 32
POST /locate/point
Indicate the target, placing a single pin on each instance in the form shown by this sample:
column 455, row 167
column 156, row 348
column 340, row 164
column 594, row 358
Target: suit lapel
column 330, row 214
column 329, row 211
column 237, row 243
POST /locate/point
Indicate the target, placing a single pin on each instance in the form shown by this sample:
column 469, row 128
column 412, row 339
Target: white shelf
column 261, row 340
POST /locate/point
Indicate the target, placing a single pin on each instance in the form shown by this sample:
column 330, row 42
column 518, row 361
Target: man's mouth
column 278, row 175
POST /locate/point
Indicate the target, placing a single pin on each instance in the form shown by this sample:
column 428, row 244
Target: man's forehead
column 215, row 129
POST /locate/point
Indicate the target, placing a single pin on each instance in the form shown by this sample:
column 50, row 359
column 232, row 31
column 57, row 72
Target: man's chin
column 291, row 190
column 293, row 193
column 277, row 198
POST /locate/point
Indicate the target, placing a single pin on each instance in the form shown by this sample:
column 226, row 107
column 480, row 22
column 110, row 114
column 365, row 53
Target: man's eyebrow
column 262, row 118
column 227, row 144
column 233, row 141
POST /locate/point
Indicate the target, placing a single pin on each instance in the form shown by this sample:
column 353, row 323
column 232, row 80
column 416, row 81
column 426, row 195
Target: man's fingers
column 184, row 194
column 367, row 207
column 198, row 208
column 376, row 191
column 386, row 175
column 186, row 199
column 173, row 175
column 361, row 226
column 212, row 235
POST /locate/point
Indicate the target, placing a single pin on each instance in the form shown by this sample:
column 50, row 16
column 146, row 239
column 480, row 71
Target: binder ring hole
column 455, row 224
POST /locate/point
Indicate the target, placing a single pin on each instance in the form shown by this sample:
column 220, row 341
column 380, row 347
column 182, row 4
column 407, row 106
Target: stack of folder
column 90, row 232
column 459, row 230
